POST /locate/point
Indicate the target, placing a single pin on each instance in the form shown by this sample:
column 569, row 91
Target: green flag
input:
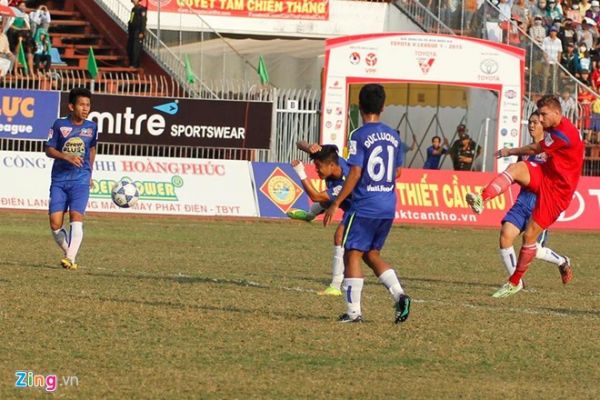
column 22, row 59
column 190, row 76
column 262, row 71
column 92, row 66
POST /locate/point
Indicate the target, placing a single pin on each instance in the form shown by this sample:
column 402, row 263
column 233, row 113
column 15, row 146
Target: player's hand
column 329, row 213
column 504, row 152
column 75, row 160
column 295, row 162
column 299, row 168
column 314, row 148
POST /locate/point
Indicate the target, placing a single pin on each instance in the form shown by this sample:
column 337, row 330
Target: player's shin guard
column 391, row 282
column 337, row 271
column 509, row 259
column 546, row 254
column 316, row 209
column 497, row 186
column 75, row 238
column 352, row 290
column 60, row 237
column 526, row 256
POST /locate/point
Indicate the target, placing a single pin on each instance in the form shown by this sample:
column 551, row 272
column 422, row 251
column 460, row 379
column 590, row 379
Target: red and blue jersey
column 73, row 139
column 376, row 148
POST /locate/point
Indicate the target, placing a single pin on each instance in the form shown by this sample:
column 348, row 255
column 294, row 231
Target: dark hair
column 436, row 137
column 79, row 92
column 328, row 153
column 549, row 100
column 371, row 98
column 536, row 113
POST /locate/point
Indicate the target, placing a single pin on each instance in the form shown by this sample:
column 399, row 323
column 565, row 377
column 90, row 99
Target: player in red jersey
column 554, row 182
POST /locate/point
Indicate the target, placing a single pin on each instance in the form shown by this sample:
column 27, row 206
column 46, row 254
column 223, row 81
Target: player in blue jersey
column 333, row 170
column 516, row 219
column 375, row 159
column 72, row 144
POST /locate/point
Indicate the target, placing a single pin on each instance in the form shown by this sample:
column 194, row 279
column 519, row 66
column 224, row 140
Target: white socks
column 546, row 254
column 337, row 272
column 60, row 237
column 75, row 238
column 352, row 288
column 391, row 282
column 509, row 260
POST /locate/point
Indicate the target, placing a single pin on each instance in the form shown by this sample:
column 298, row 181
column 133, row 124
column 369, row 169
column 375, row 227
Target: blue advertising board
column 278, row 189
column 27, row 114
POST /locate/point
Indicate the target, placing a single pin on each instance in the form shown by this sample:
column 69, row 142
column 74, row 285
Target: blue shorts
column 364, row 234
column 69, row 195
column 519, row 216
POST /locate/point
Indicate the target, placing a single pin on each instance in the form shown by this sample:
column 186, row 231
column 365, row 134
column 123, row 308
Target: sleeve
column 95, row 137
column 53, row 135
column 430, row 151
column 554, row 141
column 356, row 151
column 333, row 192
column 400, row 156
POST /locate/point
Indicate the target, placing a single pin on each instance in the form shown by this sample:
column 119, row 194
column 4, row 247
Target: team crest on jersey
column 87, row 132
column 548, row 140
column 352, row 147
column 65, row 130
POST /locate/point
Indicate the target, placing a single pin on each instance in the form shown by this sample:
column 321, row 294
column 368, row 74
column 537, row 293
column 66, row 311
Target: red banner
column 438, row 198
column 286, row 9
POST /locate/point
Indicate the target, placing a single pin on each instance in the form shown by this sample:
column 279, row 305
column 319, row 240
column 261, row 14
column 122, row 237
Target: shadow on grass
column 571, row 312
column 182, row 306
column 446, row 281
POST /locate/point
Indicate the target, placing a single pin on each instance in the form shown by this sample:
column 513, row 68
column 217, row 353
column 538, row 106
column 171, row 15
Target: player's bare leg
column 75, row 239
column 337, row 270
column 352, row 286
column 387, row 276
column 58, row 232
column 517, row 172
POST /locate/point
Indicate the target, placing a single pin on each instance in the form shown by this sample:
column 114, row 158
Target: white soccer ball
column 125, row 194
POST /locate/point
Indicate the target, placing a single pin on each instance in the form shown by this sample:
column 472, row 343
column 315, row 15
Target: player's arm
column 59, row 155
column 349, row 185
column 306, row 147
column 310, row 190
column 92, row 160
column 530, row 149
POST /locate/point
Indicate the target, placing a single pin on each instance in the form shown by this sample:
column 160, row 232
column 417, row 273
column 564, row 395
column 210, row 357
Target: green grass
column 173, row 308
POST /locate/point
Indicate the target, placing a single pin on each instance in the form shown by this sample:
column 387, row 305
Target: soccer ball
column 125, row 194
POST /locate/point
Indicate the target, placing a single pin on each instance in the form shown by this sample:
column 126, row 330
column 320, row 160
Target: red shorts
column 551, row 202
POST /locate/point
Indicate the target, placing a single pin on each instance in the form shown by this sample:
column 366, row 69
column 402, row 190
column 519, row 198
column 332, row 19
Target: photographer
column 39, row 18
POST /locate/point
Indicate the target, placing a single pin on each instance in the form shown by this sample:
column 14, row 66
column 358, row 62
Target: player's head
column 534, row 126
column 550, row 111
column 436, row 141
column 371, row 99
column 326, row 160
column 80, row 102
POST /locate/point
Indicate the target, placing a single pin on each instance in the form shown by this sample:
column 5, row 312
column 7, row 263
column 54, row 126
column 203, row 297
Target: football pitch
column 176, row 308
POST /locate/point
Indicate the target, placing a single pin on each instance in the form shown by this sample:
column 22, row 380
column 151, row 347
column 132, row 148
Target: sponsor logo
column 65, row 131
column 371, row 59
column 488, row 66
column 504, row 132
column 338, row 124
column 510, row 94
column 515, row 118
column 425, row 64
column 168, row 108
column 328, row 124
column 148, row 190
column 514, row 132
column 75, row 146
column 548, row 140
column 281, row 190
column 354, row 58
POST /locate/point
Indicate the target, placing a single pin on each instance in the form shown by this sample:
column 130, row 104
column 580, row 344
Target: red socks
column 526, row 256
column 497, row 186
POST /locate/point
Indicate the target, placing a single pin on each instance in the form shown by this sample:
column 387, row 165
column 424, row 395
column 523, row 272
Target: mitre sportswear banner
column 288, row 9
column 181, row 122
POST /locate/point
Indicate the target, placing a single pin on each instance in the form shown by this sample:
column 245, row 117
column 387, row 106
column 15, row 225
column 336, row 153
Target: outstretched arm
column 312, row 193
column 309, row 148
column 530, row 149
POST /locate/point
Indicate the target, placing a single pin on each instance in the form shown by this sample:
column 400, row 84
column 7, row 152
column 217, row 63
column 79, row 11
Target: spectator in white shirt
column 39, row 18
column 552, row 47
